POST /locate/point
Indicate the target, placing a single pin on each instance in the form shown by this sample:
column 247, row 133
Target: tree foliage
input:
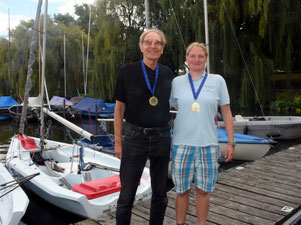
column 249, row 42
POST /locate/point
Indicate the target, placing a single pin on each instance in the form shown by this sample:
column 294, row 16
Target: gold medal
column 195, row 107
column 153, row 101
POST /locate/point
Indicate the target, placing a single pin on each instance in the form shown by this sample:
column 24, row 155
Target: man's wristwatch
column 233, row 143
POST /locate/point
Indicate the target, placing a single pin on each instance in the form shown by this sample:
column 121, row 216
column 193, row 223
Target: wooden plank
column 289, row 154
column 292, row 165
column 292, row 189
column 277, row 188
column 213, row 217
column 274, row 169
column 281, row 158
column 245, row 200
column 285, row 156
column 254, row 196
column 239, row 217
column 191, row 213
column 171, row 214
column 244, row 208
column 273, row 177
column 223, row 219
column 146, row 206
column 279, row 162
column 259, row 190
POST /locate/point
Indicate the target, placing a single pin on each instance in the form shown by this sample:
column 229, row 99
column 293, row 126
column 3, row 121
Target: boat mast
column 146, row 5
column 9, row 52
column 43, row 73
column 83, row 57
column 33, row 47
column 206, row 34
column 86, row 78
column 65, row 64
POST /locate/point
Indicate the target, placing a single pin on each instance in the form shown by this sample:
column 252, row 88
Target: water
column 41, row 212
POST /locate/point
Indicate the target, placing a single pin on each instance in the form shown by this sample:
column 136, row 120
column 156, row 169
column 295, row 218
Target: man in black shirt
column 142, row 98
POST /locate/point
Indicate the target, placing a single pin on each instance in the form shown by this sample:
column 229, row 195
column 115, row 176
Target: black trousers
column 140, row 144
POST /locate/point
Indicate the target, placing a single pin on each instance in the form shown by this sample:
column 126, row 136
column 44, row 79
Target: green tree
column 65, row 19
column 4, row 67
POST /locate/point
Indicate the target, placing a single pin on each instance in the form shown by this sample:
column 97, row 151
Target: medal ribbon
column 147, row 80
column 195, row 95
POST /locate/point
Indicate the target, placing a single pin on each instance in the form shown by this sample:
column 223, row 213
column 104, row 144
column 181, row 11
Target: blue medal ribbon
column 152, row 90
column 195, row 95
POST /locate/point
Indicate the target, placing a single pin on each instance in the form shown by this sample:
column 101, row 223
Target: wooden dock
column 265, row 191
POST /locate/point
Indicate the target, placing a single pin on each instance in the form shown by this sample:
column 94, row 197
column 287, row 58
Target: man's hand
column 118, row 150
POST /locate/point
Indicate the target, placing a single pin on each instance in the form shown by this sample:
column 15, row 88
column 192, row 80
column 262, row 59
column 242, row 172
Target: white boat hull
column 246, row 151
column 49, row 184
column 276, row 127
column 14, row 204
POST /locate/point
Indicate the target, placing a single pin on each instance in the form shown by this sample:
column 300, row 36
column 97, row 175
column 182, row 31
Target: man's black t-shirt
column 131, row 89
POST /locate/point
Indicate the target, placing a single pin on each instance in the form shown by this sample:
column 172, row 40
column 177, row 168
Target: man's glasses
column 149, row 43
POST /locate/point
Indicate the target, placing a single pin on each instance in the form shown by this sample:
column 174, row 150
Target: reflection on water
column 41, row 212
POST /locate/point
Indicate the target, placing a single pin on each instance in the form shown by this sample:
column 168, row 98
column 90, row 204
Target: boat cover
column 56, row 100
column 241, row 138
column 35, row 101
column 76, row 99
column 7, row 101
column 111, row 106
column 88, row 106
column 97, row 188
column 27, row 142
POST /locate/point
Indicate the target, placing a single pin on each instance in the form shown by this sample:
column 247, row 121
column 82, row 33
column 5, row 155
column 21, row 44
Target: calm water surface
column 41, row 212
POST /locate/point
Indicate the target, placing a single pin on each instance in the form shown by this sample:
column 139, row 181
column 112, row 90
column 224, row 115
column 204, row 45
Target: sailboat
column 13, row 200
column 62, row 106
column 33, row 110
column 71, row 176
column 276, row 127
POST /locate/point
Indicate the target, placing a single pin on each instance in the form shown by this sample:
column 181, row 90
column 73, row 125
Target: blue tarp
column 111, row 106
column 241, row 138
column 88, row 107
column 56, row 100
column 7, row 101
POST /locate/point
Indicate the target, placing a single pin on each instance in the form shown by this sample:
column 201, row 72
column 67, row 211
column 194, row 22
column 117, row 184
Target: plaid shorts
column 198, row 164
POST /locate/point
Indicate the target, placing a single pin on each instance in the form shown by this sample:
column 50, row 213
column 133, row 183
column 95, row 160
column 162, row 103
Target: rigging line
column 104, row 127
column 177, row 24
column 17, row 183
column 244, row 60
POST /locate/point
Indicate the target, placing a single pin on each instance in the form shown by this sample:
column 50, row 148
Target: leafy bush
column 296, row 104
column 286, row 102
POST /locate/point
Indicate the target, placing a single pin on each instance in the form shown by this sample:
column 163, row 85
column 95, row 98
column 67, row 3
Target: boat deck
column 266, row 191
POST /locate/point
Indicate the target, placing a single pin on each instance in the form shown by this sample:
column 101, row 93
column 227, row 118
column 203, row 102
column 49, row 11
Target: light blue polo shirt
column 197, row 128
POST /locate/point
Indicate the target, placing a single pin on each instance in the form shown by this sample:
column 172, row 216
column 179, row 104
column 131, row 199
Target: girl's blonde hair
column 196, row 44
